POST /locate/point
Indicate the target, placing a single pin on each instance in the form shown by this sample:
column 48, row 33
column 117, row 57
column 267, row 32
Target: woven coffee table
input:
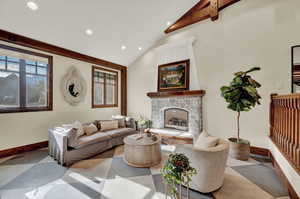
column 144, row 152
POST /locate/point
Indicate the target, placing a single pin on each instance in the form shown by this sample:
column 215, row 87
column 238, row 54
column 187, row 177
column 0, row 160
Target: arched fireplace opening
column 176, row 118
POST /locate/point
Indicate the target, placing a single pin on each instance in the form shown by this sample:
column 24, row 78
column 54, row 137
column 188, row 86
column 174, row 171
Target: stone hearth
column 190, row 101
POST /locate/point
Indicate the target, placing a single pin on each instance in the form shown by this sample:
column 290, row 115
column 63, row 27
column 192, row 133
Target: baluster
column 284, row 125
column 297, row 137
column 286, row 130
column 275, row 116
column 280, row 122
column 289, row 120
column 296, row 129
column 292, row 140
column 288, row 135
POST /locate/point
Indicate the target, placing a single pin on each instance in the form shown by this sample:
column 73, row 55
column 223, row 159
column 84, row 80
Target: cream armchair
column 210, row 164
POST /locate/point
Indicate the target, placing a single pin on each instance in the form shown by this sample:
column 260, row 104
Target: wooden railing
column 285, row 126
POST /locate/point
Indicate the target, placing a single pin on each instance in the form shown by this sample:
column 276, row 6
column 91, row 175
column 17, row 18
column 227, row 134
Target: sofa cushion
column 90, row 129
column 78, row 126
column 130, row 122
column 109, row 125
column 120, row 119
column 91, row 139
column 72, row 137
column 120, row 132
column 98, row 123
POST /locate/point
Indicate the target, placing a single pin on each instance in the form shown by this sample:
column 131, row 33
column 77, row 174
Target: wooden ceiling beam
column 214, row 10
column 39, row 45
column 204, row 9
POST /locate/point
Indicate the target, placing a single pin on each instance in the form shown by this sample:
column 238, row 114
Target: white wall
column 249, row 33
column 17, row 129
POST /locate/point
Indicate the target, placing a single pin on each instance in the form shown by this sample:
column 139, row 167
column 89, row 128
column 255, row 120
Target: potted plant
column 241, row 95
column 177, row 172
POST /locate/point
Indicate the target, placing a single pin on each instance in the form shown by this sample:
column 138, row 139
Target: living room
column 94, row 108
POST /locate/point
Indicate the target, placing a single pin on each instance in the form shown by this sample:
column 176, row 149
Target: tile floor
column 34, row 175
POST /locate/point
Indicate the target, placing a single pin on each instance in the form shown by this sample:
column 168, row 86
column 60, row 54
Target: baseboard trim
column 21, row 149
column 282, row 176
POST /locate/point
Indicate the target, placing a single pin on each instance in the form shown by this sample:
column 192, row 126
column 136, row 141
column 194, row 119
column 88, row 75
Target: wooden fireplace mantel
column 176, row 93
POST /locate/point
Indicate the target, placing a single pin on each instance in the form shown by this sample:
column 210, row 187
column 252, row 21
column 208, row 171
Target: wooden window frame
column 116, row 96
column 22, row 90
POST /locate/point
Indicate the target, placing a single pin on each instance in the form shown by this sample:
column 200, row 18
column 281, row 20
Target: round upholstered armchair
column 210, row 164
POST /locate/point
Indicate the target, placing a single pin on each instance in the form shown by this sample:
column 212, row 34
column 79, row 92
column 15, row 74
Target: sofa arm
column 58, row 145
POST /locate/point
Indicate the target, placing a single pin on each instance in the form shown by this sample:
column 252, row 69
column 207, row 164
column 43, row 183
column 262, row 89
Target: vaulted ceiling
column 132, row 23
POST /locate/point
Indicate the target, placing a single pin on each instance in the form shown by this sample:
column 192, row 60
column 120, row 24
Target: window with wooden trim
column 104, row 87
column 25, row 80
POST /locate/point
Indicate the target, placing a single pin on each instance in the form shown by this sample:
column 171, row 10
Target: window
column 25, row 80
column 104, row 88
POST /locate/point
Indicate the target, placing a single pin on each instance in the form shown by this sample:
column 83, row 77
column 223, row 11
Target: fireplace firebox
column 176, row 118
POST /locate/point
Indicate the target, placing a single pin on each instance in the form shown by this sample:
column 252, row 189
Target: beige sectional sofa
column 67, row 148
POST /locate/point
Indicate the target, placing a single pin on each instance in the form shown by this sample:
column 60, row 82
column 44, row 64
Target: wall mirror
column 296, row 69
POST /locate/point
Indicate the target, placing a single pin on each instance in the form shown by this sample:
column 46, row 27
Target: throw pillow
column 78, row 126
column 129, row 122
column 128, row 119
column 205, row 141
column 120, row 119
column 97, row 124
column 109, row 125
column 90, row 129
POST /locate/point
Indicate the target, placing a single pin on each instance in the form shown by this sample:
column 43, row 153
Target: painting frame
column 174, row 76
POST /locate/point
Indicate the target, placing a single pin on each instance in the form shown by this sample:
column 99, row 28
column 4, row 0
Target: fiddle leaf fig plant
column 241, row 94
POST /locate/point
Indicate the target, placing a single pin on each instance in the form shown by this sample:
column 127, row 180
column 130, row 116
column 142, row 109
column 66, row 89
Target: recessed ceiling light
column 123, row 47
column 168, row 23
column 32, row 5
column 140, row 48
column 88, row 32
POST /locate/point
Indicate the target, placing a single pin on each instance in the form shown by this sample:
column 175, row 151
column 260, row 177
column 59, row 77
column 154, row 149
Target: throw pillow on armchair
column 205, row 141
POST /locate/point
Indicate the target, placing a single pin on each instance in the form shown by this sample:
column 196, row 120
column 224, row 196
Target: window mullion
column 22, row 70
column 104, row 93
column 116, row 91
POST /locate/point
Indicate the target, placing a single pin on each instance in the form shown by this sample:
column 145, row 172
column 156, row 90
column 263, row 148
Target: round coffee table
column 143, row 152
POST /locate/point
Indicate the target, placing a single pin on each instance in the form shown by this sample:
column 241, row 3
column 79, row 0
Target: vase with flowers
column 143, row 123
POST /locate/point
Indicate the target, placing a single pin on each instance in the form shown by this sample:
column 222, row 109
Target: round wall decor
column 73, row 87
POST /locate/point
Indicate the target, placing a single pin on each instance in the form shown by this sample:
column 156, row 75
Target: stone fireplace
column 178, row 114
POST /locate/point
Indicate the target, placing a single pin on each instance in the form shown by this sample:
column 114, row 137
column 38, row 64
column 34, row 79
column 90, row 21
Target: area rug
column 35, row 175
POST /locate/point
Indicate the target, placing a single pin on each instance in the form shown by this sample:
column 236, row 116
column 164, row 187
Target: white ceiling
column 132, row 23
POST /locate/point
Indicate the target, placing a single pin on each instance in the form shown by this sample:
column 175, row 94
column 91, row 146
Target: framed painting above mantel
column 174, row 76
